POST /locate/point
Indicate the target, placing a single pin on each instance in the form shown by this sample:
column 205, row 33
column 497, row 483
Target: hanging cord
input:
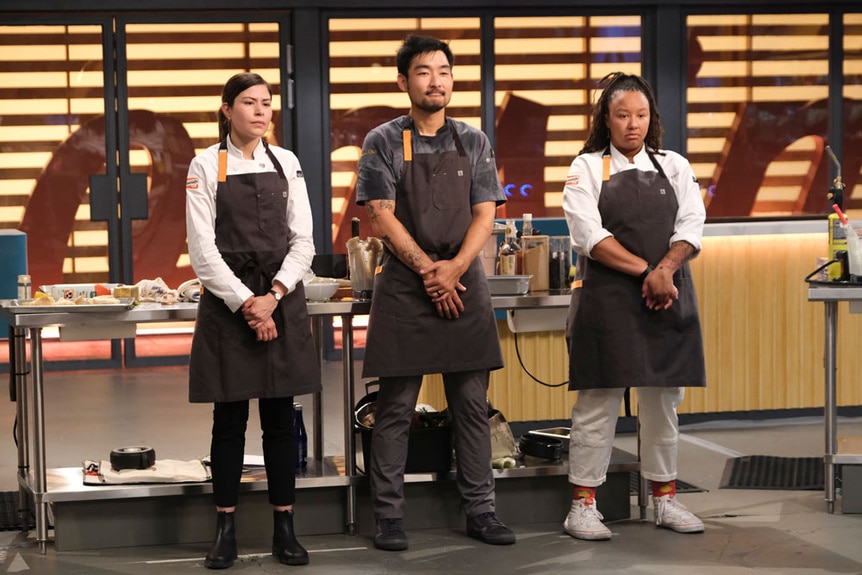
column 626, row 395
column 527, row 371
column 808, row 278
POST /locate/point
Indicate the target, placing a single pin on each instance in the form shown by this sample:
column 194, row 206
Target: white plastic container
column 854, row 251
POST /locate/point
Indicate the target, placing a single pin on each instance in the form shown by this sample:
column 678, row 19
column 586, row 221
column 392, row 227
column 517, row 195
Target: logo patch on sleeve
column 192, row 183
column 299, row 173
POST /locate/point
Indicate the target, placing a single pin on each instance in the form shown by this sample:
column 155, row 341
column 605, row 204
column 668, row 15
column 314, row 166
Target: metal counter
column 830, row 296
column 30, row 433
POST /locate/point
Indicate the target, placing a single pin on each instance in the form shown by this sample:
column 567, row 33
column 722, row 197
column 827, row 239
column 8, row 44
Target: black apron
column 227, row 363
column 406, row 336
column 614, row 339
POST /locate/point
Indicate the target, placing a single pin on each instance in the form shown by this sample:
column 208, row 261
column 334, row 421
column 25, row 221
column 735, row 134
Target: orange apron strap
column 407, row 137
column 222, row 165
column 606, row 168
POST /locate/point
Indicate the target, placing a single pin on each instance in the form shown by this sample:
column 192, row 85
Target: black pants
column 279, row 449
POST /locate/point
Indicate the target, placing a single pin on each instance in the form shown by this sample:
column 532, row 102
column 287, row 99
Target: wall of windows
column 757, row 123
column 94, row 171
column 756, row 98
column 54, row 127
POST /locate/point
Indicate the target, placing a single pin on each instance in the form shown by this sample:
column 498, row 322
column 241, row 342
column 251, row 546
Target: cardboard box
column 71, row 291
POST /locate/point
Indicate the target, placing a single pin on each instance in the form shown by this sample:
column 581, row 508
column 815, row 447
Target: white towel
column 163, row 471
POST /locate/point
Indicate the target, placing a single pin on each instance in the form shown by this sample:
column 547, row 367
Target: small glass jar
column 24, row 287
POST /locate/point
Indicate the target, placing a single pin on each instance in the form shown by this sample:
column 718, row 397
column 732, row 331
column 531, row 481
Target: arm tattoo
column 411, row 255
column 412, row 258
column 373, row 209
column 679, row 253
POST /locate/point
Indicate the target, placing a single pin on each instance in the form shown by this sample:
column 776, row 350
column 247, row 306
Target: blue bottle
column 301, row 436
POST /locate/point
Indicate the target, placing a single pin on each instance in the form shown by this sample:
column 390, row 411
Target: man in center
column 430, row 186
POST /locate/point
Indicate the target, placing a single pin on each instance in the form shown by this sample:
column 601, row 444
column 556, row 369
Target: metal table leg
column 317, row 407
column 18, row 359
column 830, row 406
column 349, row 436
column 39, row 476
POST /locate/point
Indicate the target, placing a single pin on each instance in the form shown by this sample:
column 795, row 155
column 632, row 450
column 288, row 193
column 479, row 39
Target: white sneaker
column 585, row 522
column 672, row 514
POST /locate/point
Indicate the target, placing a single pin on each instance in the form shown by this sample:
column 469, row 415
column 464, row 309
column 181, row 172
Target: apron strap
column 222, row 161
column 222, row 165
column 656, row 164
column 455, row 137
column 407, row 139
column 606, row 165
column 275, row 162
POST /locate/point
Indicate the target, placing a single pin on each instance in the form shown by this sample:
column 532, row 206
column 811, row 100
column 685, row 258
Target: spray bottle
column 837, row 236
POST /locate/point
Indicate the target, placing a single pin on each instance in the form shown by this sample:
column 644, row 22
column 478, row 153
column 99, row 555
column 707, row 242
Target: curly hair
column 600, row 136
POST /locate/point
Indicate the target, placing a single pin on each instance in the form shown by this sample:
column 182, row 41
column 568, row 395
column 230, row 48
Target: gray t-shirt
column 382, row 162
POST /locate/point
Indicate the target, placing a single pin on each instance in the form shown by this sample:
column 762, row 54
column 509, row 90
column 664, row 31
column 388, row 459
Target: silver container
column 509, row 285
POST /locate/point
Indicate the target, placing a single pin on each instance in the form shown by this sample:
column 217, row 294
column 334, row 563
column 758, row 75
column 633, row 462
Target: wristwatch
column 276, row 295
column 645, row 273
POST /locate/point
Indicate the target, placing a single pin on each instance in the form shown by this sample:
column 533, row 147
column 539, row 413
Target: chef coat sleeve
column 691, row 213
column 207, row 263
column 299, row 224
column 581, row 203
column 375, row 172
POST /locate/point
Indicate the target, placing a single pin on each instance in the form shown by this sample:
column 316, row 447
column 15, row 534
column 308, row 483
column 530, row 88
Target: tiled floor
column 747, row 531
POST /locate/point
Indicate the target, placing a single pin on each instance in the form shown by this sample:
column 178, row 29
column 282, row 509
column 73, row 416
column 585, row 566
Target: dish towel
column 163, row 471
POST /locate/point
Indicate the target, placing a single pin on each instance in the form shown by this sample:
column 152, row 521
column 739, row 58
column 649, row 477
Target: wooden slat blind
column 756, row 60
column 51, row 83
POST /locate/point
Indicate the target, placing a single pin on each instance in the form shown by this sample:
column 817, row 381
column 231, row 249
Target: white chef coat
column 584, row 184
column 201, row 184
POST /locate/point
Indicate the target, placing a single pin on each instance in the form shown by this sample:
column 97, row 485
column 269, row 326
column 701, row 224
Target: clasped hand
column 441, row 281
column 257, row 311
column 658, row 290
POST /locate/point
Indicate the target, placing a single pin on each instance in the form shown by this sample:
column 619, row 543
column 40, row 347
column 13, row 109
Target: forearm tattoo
column 679, row 253
column 411, row 255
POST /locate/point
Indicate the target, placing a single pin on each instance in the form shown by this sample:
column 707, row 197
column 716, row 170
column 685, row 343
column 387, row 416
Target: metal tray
column 16, row 306
column 509, row 285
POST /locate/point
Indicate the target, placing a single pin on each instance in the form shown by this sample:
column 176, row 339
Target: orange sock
column 660, row 488
column 588, row 493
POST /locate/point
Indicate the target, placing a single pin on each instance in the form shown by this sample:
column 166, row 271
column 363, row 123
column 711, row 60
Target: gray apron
column 406, row 336
column 614, row 339
column 227, row 363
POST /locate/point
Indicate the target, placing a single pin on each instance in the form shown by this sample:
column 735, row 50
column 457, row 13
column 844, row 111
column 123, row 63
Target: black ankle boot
column 284, row 543
column 223, row 552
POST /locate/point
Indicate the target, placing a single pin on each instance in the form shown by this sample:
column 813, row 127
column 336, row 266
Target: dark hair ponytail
column 237, row 84
column 599, row 136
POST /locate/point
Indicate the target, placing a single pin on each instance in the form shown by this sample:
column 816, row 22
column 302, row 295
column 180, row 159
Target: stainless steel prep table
column 31, row 430
column 830, row 296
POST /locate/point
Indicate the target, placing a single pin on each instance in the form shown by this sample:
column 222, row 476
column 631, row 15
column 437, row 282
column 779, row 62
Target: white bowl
column 320, row 289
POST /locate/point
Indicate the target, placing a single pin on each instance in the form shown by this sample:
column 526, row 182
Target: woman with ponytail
column 250, row 243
